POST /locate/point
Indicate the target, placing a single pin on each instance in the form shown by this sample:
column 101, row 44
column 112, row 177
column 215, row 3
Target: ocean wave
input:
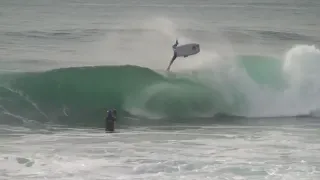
column 250, row 86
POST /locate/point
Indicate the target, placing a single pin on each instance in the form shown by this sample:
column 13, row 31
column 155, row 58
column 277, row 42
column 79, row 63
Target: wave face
column 83, row 94
column 250, row 86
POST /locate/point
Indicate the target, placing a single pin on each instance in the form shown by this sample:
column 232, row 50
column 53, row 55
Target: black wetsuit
column 110, row 121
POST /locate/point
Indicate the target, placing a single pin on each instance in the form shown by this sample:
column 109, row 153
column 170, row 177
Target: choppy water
column 239, row 151
column 247, row 105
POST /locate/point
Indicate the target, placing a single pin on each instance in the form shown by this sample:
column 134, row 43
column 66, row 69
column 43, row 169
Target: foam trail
column 26, row 98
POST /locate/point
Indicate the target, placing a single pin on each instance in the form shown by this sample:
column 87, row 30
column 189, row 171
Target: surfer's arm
column 175, row 45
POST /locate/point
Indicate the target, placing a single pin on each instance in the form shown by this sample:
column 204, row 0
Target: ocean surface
column 247, row 107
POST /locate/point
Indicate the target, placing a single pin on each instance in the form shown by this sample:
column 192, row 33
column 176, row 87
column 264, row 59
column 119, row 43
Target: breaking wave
column 249, row 86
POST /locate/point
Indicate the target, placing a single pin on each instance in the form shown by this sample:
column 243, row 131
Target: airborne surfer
column 174, row 54
column 183, row 51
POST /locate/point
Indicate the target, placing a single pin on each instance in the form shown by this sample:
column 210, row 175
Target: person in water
column 111, row 119
column 174, row 54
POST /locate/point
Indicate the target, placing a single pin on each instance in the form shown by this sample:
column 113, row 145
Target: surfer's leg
column 109, row 125
column 172, row 60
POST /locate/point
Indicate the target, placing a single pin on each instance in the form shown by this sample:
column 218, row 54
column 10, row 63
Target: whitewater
column 245, row 107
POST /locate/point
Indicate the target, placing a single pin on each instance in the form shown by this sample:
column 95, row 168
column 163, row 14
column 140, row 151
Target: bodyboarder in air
column 183, row 51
